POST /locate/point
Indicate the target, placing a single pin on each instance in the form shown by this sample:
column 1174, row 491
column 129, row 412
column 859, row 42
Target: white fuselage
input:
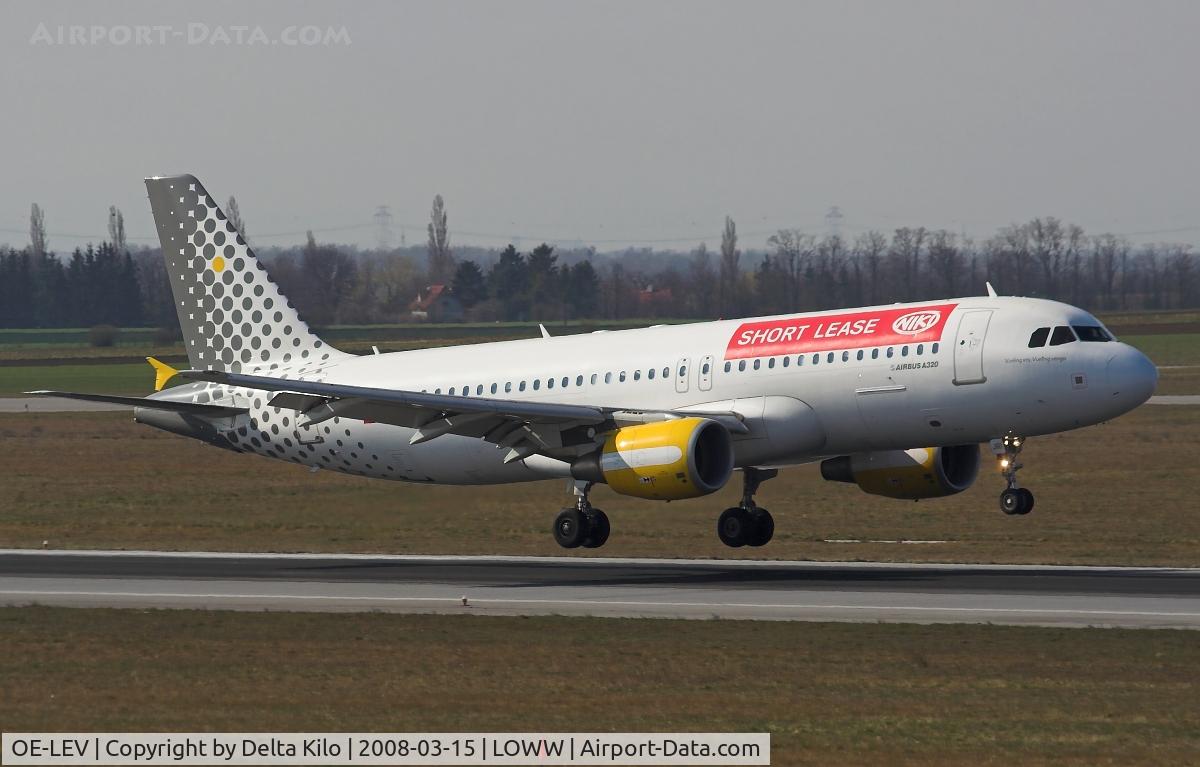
column 807, row 386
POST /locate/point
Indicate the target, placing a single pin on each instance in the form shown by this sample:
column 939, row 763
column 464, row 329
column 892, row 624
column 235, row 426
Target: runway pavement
column 811, row 591
column 63, row 405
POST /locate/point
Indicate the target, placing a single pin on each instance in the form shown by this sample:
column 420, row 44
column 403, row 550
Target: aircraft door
column 706, row 372
column 968, row 347
column 682, row 374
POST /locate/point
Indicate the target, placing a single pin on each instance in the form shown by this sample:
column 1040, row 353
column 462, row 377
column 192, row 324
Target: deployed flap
column 192, row 408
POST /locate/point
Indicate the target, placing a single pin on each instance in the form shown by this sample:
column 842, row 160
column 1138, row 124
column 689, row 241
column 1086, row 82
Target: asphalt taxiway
column 762, row 590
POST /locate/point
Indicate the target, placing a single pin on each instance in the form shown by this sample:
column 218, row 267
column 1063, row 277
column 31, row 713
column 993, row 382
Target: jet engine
column 925, row 472
column 665, row 461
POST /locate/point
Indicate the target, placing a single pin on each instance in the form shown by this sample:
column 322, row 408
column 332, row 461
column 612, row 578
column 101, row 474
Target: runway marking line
column 585, row 602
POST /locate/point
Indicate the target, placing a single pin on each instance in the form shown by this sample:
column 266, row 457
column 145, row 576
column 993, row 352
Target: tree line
column 114, row 283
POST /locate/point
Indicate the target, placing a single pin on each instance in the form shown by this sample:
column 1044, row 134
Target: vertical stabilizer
column 233, row 316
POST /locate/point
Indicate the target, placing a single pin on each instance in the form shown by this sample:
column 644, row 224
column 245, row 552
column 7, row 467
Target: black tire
column 598, row 530
column 734, row 527
column 570, row 528
column 763, row 528
column 1026, row 500
column 1012, row 502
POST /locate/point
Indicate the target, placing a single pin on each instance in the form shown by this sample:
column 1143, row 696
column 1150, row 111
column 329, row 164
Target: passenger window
column 451, row 392
column 845, row 356
column 438, row 390
column 550, row 383
column 786, row 360
column 1038, row 338
column 537, row 384
column 637, row 375
column 889, row 352
column 920, row 348
column 704, row 369
column 507, row 387
column 799, row 360
column 829, row 357
column 771, row 363
column 479, row 389
column 608, row 378
column 874, row 354
column 594, row 379
column 1062, row 335
column 1091, row 333
column 757, row 364
column 741, row 365
column 622, row 376
column 566, row 380
column 682, row 371
column 904, row 351
column 650, row 372
column 728, row 366
column 521, row 386
column 933, row 349
column 816, row 358
column 579, row 380
column 666, row 372
column 493, row 388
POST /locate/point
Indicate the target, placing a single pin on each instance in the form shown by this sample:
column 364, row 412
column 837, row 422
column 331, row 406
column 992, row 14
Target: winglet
column 162, row 373
column 545, row 333
column 991, row 290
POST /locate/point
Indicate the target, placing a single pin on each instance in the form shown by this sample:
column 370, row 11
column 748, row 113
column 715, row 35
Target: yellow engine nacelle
column 665, row 461
column 925, row 472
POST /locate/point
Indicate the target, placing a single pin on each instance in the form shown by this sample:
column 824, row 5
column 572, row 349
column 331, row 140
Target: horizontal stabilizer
column 190, row 408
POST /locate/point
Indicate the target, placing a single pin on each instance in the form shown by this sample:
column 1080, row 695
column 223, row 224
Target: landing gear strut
column 747, row 524
column 1014, row 500
column 584, row 525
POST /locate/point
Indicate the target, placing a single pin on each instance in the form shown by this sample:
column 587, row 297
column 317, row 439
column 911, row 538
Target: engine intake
column 925, row 472
column 667, row 461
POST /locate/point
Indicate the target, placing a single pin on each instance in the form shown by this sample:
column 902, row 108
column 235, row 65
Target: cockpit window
column 1091, row 333
column 1039, row 338
column 1062, row 335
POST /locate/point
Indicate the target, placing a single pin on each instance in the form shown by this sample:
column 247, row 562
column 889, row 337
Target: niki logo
column 916, row 322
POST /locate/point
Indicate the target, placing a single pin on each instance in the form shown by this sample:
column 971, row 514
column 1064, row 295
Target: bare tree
column 905, row 256
column 945, row 262
column 793, row 253
column 37, row 231
column 702, row 283
column 730, row 274
column 234, row 214
column 869, row 248
column 116, row 228
column 441, row 261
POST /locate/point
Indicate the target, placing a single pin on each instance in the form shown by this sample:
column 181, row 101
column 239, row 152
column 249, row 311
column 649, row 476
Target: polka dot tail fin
column 233, row 316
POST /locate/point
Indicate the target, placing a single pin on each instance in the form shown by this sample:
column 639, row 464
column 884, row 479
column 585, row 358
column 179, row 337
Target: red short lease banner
column 852, row 330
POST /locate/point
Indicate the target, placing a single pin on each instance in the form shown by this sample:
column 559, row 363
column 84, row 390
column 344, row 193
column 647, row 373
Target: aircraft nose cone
column 1132, row 377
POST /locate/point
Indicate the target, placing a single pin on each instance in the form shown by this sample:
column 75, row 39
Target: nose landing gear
column 584, row 525
column 747, row 524
column 1014, row 500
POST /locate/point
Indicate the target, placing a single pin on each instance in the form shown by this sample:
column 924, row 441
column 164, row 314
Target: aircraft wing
column 526, row 427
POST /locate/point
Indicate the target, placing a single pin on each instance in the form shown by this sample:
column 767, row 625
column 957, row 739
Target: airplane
column 896, row 399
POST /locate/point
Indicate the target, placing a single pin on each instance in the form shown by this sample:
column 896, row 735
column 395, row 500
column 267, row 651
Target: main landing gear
column 583, row 525
column 746, row 524
column 1014, row 500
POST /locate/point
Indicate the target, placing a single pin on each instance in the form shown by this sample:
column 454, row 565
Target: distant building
column 436, row 303
column 654, row 302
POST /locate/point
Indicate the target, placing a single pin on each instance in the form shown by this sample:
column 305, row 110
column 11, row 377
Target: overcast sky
column 609, row 122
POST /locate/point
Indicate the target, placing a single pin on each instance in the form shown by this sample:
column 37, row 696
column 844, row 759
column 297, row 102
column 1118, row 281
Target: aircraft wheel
column 1026, row 500
column 1014, row 501
column 763, row 528
column 570, row 528
column 598, row 529
column 734, row 527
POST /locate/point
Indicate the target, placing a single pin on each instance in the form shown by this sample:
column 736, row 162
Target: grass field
column 828, row 693
column 1119, row 493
